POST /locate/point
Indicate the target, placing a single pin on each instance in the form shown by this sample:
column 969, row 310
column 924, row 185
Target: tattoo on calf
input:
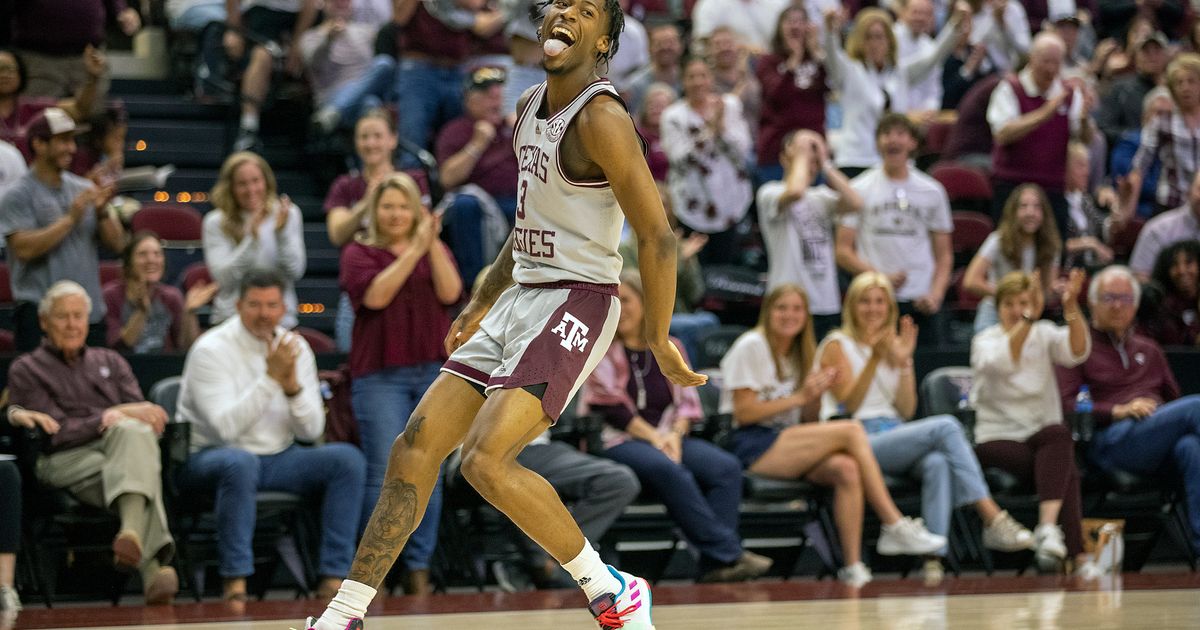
column 391, row 524
column 413, row 428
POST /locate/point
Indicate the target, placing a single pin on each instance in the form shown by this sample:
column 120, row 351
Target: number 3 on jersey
column 521, row 199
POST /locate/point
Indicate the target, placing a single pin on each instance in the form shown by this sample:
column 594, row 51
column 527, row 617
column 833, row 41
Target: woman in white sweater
column 873, row 80
column 251, row 226
column 1018, row 413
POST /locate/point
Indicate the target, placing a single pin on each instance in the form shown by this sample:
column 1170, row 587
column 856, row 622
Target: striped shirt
column 1177, row 145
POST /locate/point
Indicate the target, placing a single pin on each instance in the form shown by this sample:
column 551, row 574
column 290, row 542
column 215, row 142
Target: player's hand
column 465, row 325
column 671, row 362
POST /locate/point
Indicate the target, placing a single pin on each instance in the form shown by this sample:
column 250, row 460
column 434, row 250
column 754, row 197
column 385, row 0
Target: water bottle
column 966, row 415
column 1084, row 425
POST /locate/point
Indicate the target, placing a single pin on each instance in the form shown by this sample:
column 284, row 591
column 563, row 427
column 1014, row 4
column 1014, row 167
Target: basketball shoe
column 627, row 610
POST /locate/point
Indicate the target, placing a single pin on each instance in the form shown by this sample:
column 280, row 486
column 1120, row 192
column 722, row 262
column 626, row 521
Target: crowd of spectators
column 1084, row 119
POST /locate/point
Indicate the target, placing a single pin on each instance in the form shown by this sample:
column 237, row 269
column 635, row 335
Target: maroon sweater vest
column 1041, row 156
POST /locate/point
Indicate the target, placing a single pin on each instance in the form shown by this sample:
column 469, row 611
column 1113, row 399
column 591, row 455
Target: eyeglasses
column 1116, row 299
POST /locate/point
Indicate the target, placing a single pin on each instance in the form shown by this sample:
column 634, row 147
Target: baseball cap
column 1157, row 37
column 49, row 122
column 1062, row 11
column 486, row 76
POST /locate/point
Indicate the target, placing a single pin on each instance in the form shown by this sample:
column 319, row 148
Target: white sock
column 350, row 602
column 590, row 573
column 249, row 122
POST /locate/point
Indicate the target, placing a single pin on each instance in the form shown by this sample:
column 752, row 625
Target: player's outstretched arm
column 609, row 140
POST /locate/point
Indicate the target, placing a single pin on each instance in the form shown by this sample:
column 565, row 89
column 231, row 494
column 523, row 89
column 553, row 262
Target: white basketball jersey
column 566, row 231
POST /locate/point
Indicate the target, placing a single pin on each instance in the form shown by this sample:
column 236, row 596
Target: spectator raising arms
column 1026, row 240
column 1018, row 420
column 873, row 79
column 400, row 277
column 769, row 384
column 144, row 315
column 251, row 227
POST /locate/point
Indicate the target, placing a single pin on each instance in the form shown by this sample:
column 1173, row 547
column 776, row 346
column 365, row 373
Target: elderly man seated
column 250, row 391
column 103, row 434
column 1142, row 425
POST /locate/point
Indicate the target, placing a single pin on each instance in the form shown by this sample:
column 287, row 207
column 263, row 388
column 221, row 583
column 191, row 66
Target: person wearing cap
column 346, row 75
column 1121, row 106
column 52, row 220
column 478, row 167
column 1063, row 19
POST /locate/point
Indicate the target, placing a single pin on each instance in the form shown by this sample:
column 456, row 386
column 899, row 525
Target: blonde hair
column 1187, row 62
column 407, row 187
column 862, row 283
column 857, row 40
column 1013, row 283
column 233, row 221
column 803, row 349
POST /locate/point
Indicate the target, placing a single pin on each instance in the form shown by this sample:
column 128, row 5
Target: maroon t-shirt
column 409, row 330
column 348, row 189
column 496, row 170
column 426, row 35
column 790, row 100
column 62, row 27
column 656, row 158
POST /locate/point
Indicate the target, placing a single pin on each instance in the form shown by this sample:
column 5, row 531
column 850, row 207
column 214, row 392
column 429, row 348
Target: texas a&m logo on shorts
column 573, row 333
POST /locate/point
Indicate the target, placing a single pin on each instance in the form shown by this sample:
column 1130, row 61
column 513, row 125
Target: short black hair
column 616, row 24
column 260, row 279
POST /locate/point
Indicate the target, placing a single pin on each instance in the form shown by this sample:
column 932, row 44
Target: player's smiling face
column 582, row 25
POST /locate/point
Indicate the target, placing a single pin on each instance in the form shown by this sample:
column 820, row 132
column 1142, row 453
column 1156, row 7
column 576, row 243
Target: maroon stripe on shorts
column 603, row 289
column 558, row 354
column 467, row 372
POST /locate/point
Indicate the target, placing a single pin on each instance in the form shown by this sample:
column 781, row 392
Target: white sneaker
column 856, row 575
column 908, row 537
column 1050, row 549
column 1006, row 534
column 9, row 600
column 1088, row 570
column 627, row 610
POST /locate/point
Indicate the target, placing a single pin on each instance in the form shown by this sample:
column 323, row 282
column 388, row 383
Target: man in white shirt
column 250, row 390
column 913, row 41
column 798, row 218
column 903, row 230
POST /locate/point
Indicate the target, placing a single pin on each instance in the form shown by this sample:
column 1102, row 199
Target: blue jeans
column 703, row 494
column 334, row 471
column 463, row 231
column 198, row 16
column 428, row 96
column 383, row 402
column 343, row 323
column 1167, row 439
column 934, row 450
column 367, row 91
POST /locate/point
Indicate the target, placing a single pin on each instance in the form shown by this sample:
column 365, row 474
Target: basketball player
column 521, row 351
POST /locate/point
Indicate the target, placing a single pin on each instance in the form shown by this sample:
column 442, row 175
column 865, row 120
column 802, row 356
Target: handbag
column 1104, row 539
